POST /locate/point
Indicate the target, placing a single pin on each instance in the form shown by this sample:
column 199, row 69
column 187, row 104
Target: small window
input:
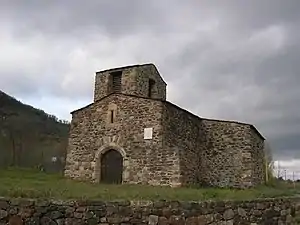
column 151, row 88
column 116, row 81
column 112, row 115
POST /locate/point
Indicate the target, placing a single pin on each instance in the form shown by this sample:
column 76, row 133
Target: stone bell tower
column 138, row 80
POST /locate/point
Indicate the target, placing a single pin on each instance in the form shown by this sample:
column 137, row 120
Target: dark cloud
column 236, row 60
column 74, row 17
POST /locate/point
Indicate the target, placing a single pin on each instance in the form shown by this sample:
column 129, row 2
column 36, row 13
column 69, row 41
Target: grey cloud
column 236, row 60
column 78, row 18
column 219, row 78
column 123, row 17
column 246, row 16
column 286, row 146
column 272, row 103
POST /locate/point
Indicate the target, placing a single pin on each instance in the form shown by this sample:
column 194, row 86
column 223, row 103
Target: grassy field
column 33, row 184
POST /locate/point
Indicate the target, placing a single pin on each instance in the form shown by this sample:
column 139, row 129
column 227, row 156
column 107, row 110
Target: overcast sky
column 236, row 60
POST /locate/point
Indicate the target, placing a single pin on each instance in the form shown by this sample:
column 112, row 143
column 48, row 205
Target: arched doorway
column 111, row 167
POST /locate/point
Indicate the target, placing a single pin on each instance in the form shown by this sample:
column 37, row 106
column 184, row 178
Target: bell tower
column 138, row 80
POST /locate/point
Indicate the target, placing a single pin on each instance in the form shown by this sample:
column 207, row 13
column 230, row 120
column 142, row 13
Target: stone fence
column 264, row 212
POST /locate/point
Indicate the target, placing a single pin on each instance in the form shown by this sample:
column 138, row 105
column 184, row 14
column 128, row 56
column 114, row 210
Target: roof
column 131, row 66
column 218, row 120
column 176, row 106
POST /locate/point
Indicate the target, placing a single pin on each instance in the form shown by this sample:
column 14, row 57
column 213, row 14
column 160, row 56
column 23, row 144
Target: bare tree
column 12, row 129
column 269, row 162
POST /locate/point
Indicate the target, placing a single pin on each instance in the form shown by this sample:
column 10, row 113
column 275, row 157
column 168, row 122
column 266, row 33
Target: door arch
column 111, row 167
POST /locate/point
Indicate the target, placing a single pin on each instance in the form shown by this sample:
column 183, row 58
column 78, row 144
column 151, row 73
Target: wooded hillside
column 29, row 137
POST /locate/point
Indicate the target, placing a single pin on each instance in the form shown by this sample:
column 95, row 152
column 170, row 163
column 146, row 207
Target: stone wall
column 135, row 81
column 256, row 212
column 232, row 154
column 258, row 165
column 146, row 72
column 181, row 136
column 185, row 149
column 213, row 152
column 145, row 161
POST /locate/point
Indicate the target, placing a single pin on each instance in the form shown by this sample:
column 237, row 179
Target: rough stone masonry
column 132, row 134
column 285, row 211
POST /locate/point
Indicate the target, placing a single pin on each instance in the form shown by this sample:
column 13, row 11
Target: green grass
column 33, row 184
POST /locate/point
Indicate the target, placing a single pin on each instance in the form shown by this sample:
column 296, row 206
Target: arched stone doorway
column 111, row 167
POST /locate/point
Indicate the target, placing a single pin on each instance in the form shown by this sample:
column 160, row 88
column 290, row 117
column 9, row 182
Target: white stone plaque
column 148, row 133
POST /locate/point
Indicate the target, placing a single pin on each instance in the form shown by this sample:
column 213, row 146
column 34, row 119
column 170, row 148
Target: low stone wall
column 266, row 212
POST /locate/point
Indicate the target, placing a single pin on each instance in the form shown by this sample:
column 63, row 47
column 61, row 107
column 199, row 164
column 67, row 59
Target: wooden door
column 111, row 167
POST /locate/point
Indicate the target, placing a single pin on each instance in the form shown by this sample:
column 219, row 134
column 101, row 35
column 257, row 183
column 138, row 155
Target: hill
column 29, row 137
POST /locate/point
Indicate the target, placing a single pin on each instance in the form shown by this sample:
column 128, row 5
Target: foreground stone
column 256, row 212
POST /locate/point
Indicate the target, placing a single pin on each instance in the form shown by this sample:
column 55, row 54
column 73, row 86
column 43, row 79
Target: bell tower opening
column 116, row 79
column 151, row 86
column 135, row 80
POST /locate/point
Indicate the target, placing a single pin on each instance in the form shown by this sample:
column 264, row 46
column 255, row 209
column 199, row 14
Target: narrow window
column 116, row 81
column 111, row 116
column 151, row 88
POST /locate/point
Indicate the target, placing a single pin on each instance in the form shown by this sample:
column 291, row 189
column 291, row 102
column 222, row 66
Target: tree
column 14, row 134
column 269, row 162
column 27, row 132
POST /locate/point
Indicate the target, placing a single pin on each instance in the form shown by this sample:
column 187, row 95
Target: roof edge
column 125, row 67
column 178, row 107
column 74, row 111
column 82, row 108
column 218, row 120
column 238, row 122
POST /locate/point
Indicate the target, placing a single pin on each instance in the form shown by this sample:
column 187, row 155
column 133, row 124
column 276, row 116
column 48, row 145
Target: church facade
column 132, row 134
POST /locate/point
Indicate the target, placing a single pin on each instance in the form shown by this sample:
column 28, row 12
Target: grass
column 33, row 184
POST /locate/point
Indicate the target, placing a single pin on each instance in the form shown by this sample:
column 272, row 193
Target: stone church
column 132, row 134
